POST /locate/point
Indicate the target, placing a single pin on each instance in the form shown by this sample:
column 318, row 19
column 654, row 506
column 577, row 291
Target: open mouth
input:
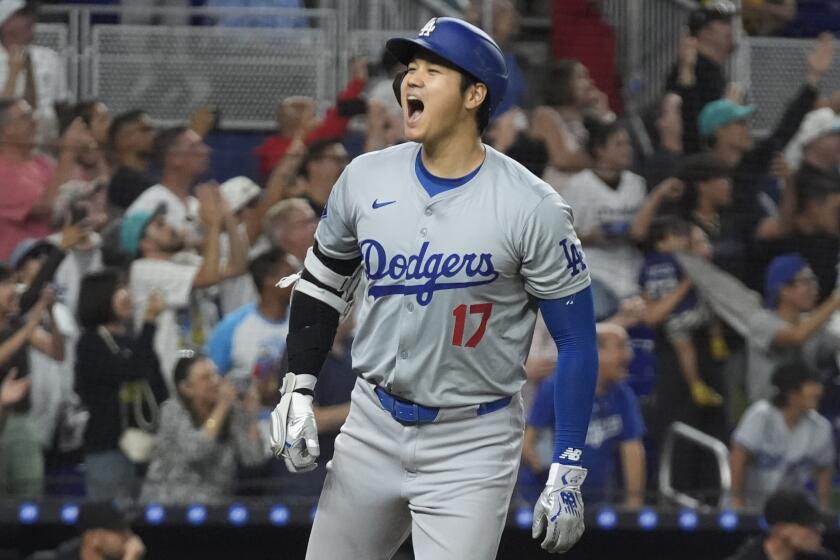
column 415, row 109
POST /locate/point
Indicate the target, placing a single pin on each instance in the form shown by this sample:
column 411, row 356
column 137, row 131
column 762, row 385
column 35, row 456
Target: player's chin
column 414, row 133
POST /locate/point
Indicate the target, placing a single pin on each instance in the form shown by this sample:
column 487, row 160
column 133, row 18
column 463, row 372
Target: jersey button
column 403, row 354
column 410, row 307
column 428, row 211
column 423, row 232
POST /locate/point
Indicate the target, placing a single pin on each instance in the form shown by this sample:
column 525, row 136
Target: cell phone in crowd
column 351, row 107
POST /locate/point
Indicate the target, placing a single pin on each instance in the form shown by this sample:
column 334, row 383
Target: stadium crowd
column 142, row 335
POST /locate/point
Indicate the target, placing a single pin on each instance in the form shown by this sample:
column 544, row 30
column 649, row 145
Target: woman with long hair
column 205, row 431
column 119, row 381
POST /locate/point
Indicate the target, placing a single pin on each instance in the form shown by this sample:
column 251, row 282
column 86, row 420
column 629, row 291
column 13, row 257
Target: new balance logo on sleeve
column 571, row 454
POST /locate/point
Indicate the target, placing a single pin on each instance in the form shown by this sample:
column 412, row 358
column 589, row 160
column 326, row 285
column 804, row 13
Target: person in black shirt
column 794, row 531
column 104, row 533
column 114, row 372
column 22, row 467
column 698, row 76
column 724, row 127
column 130, row 136
column 814, row 231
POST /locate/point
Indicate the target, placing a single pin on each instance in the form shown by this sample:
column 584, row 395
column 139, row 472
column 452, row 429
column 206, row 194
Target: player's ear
column 397, row 85
column 475, row 95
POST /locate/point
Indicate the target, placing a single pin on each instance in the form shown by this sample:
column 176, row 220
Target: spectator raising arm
column 279, row 184
column 49, row 343
column 25, row 334
column 668, row 190
column 214, row 215
column 796, row 334
column 237, row 263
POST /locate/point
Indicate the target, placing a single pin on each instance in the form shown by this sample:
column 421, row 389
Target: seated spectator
column 611, row 210
column 616, row 428
column 117, row 375
column 698, row 76
column 784, row 442
column 184, row 157
column 104, row 532
column 205, row 432
column 296, row 117
column 160, row 266
column 30, row 181
column 767, row 17
column 794, row 530
column 131, row 139
column 22, row 471
column 322, row 165
column 248, row 345
column 30, row 72
column 791, row 328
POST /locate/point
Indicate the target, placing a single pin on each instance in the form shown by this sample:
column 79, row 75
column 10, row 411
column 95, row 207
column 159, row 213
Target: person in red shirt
column 29, row 181
column 296, row 116
column 579, row 32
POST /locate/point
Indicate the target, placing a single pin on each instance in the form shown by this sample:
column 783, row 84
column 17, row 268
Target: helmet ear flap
column 397, row 85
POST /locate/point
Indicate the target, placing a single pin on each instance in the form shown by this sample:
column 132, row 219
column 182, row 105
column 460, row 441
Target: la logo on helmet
column 428, row 28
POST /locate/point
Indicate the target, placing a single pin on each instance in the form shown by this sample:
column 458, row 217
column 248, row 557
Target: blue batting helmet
column 463, row 45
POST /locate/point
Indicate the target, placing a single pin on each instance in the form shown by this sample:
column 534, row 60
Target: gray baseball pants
column 448, row 483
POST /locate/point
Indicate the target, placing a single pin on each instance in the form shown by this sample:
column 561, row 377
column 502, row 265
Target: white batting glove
column 559, row 511
column 294, row 435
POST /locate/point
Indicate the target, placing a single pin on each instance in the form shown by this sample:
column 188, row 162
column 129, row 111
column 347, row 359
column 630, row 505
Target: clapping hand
column 12, row 389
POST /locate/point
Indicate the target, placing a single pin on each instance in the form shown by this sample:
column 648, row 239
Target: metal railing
column 681, row 431
column 168, row 70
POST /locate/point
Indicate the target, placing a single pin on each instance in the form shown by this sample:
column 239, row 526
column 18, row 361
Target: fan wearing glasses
column 791, row 325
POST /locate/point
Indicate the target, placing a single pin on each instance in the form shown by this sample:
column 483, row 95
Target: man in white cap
column 815, row 149
column 32, row 72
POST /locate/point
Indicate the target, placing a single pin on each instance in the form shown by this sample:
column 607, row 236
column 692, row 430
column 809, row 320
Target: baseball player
column 458, row 247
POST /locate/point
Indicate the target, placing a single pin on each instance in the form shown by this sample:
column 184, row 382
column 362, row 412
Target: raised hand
column 820, row 59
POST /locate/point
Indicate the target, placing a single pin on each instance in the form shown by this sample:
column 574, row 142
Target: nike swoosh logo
column 377, row 204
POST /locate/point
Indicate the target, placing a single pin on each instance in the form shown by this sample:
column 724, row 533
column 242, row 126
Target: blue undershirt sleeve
column 571, row 322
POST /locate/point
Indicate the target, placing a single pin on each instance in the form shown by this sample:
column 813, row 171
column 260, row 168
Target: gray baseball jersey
column 450, row 280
